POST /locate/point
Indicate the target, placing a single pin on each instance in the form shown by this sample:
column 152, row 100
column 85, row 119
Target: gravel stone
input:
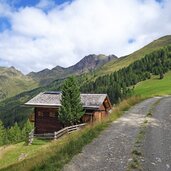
column 111, row 151
column 156, row 145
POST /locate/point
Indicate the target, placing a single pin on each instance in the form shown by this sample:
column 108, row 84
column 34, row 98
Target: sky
column 39, row 34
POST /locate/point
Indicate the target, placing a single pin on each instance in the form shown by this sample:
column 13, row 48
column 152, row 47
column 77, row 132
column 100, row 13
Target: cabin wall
column 101, row 113
column 46, row 120
column 86, row 118
column 107, row 104
column 95, row 115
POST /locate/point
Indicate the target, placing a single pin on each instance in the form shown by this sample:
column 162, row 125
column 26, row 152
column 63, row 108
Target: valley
column 128, row 80
column 85, row 85
column 95, row 82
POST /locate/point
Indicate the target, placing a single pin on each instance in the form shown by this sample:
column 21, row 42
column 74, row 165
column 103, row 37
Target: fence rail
column 55, row 135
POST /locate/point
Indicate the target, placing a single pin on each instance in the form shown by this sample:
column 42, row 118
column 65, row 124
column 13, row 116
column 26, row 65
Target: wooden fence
column 31, row 136
column 55, row 135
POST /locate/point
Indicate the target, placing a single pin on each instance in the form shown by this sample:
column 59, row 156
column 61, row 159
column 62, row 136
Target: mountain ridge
column 13, row 81
column 86, row 64
column 13, row 106
column 124, row 61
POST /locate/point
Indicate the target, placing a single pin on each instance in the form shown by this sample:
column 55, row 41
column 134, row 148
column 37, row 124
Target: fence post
column 31, row 137
column 54, row 135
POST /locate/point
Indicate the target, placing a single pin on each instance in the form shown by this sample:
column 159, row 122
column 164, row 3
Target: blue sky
column 17, row 4
column 38, row 34
column 24, row 3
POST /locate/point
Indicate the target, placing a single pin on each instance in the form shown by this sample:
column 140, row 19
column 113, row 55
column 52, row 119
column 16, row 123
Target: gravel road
column 157, row 143
column 111, row 151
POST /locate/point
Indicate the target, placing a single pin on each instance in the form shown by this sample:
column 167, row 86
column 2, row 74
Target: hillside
column 126, row 60
column 85, row 65
column 13, row 82
column 154, row 86
column 11, row 110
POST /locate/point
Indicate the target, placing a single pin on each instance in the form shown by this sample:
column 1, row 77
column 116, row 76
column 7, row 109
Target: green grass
column 112, row 66
column 12, row 82
column 58, row 153
column 154, row 86
column 10, row 154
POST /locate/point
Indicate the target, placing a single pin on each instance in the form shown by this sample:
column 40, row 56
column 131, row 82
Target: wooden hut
column 46, row 106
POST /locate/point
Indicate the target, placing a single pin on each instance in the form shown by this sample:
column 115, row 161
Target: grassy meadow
column 55, row 154
column 154, row 86
column 43, row 155
column 10, row 154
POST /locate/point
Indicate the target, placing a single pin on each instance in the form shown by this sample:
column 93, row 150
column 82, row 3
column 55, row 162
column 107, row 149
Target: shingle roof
column 52, row 99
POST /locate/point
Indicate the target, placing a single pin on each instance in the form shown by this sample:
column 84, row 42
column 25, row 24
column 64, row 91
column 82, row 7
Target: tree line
column 120, row 84
column 14, row 134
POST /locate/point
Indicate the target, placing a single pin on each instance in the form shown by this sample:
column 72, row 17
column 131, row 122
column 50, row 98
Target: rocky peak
column 88, row 63
column 92, row 62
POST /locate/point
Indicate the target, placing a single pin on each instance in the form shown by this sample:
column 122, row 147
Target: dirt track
column 111, row 151
column 157, row 143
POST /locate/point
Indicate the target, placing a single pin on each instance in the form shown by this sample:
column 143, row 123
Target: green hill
column 154, row 86
column 13, row 82
column 126, row 60
column 141, row 70
column 12, row 110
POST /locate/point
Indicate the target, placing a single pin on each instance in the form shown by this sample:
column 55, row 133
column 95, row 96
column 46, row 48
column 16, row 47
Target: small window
column 52, row 114
column 40, row 114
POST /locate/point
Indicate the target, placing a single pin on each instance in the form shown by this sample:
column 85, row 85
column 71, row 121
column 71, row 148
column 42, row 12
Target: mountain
column 13, row 82
column 85, row 65
column 11, row 110
column 128, row 59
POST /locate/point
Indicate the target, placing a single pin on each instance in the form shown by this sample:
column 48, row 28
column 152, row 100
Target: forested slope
column 118, row 84
column 127, row 60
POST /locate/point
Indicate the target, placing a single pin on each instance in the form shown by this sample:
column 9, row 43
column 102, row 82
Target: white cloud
column 46, row 4
column 48, row 35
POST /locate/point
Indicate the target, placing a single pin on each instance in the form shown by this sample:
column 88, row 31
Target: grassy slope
column 12, row 106
column 61, row 151
column 16, row 85
column 13, row 82
column 126, row 60
column 147, row 88
column 154, row 86
column 10, row 154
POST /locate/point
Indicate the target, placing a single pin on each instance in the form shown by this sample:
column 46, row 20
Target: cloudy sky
column 38, row 34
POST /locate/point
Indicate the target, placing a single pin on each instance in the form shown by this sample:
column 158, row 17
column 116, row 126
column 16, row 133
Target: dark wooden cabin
column 46, row 106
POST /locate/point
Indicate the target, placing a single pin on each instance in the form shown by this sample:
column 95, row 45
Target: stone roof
column 52, row 99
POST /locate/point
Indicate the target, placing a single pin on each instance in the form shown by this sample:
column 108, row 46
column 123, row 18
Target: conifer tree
column 71, row 109
column 26, row 130
column 14, row 134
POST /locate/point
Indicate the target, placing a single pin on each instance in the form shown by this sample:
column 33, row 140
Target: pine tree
column 14, row 134
column 71, row 109
column 26, row 130
column 2, row 133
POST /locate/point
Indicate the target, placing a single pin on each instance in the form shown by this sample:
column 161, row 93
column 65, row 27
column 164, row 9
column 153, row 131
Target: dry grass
column 60, row 152
column 118, row 110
